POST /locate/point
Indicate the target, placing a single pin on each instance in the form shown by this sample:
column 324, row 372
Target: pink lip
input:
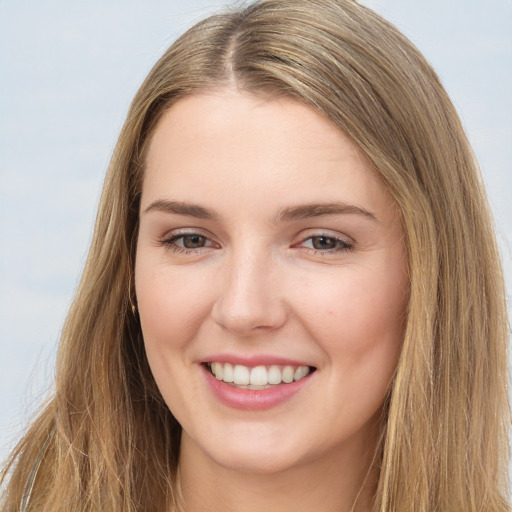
column 257, row 360
column 252, row 399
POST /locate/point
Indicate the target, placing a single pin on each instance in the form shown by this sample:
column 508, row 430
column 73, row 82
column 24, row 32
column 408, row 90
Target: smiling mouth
column 257, row 377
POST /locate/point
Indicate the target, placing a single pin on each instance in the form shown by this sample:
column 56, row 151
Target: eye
column 322, row 243
column 187, row 242
column 326, row 244
column 191, row 241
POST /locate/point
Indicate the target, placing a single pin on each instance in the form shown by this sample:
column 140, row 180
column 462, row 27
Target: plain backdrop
column 68, row 71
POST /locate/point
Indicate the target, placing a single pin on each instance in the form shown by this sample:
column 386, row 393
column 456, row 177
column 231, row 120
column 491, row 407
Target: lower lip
column 254, row 399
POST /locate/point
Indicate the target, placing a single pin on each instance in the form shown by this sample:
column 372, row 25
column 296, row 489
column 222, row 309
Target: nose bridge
column 249, row 296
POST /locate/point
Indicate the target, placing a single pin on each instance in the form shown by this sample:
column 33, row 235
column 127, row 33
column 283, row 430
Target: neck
column 343, row 481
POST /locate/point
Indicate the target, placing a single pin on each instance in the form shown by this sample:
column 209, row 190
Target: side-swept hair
column 107, row 441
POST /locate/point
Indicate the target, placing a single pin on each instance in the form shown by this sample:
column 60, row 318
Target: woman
column 293, row 297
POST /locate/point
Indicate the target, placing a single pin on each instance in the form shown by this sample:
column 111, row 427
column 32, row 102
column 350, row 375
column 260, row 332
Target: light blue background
column 68, row 71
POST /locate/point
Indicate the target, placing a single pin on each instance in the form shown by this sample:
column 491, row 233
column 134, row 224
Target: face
column 271, row 281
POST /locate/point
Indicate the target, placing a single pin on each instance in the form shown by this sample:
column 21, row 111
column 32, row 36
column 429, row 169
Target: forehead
column 226, row 145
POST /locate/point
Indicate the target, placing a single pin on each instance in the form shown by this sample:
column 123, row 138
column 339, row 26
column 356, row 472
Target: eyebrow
column 319, row 209
column 181, row 208
column 286, row 214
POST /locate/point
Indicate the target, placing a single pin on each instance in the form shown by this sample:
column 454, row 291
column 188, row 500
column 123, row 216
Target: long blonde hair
column 107, row 441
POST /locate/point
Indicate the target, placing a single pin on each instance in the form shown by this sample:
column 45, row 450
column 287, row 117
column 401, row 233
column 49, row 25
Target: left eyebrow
column 319, row 209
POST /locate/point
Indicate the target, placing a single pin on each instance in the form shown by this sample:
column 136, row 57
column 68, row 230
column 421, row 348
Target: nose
column 249, row 299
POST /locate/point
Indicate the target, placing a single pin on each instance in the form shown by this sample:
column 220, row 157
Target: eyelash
column 170, row 243
column 340, row 245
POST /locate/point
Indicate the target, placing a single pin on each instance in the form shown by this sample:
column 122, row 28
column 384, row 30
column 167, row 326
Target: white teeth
column 217, row 369
column 274, row 375
column 300, row 372
column 228, row 375
column 241, row 375
column 288, row 373
column 258, row 377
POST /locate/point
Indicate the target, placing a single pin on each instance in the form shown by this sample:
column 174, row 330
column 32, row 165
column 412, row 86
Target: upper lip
column 254, row 360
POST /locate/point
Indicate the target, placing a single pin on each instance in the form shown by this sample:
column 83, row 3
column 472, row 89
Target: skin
column 255, row 284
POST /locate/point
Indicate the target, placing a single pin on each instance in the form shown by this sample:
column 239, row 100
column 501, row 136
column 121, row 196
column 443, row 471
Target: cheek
column 170, row 309
column 170, row 306
column 358, row 305
column 359, row 323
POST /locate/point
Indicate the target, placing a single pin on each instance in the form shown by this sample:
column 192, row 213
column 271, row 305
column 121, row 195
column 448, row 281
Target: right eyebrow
column 181, row 208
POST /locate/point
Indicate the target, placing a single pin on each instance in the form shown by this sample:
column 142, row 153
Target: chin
column 256, row 453
column 257, row 462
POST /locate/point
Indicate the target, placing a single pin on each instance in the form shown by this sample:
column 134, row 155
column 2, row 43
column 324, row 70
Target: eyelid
column 344, row 242
column 168, row 240
column 186, row 231
column 328, row 233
